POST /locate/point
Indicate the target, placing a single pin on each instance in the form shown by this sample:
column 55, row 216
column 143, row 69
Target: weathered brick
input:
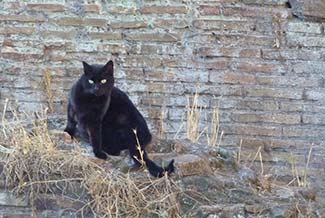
column 173, row 62
column 46, row 7
column 141, row 62
column 128, row 24
column 305, row 27
column 113, row 48
column 70, row 21
column 114, row 9
column 163, row 10
column 48, row 34
column 217, row 91
column 23, row 95
column 152, row 100
column 267, row 118
column 19, row 81
column 22, row 18
column 314, row 108
column 237, row 78
column 304, row 132
column 153, row 37
column 92, row 8
column 318, row 119
column 168, row 23
column 251, row 67
column 291, row 54
column 233, row 26
column 308, row 67
column 227, row 52
column 17, row 30
column 291, row 107
column 251, row 130
column 304, row 41
column 148, row 75
column 187, row 75
column 308, row 8
column 86, row 47
column 13, row 6
column 17, row 56
column 75, row 21
column 275, row 93
column 314, row 95
column 254, row 12
column 105, row 35
column 281, row 81
column 150, row 49
column 267, row 2
column 209, row 10
column 233, row 40
column 251, row 105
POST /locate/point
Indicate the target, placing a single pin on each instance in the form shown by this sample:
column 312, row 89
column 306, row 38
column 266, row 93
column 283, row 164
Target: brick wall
column 261, row 65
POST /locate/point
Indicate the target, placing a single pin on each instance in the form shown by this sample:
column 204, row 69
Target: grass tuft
column 300, row 178
column 194, row 116
column 47, row 81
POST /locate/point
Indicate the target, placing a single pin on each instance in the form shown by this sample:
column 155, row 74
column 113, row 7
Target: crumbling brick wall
column 262, row 66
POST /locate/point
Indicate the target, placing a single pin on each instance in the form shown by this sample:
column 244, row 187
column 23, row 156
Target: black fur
column 104, row 115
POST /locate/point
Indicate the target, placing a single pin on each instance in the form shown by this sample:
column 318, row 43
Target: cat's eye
column 91, row 81
column 103, row 81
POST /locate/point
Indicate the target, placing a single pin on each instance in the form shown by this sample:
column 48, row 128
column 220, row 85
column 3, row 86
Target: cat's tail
column 153, row 168
column 158, row 171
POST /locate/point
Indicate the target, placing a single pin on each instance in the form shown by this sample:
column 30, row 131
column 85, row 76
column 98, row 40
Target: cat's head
column 98, row 79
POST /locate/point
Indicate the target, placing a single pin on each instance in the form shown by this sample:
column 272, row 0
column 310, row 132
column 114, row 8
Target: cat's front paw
column 67, row 138
column 100, row 154
column 70, row 131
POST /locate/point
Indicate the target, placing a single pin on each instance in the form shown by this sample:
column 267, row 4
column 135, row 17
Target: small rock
column 179, row 147
column 264, row 182
column 189, row 164
column 7, row 199
column 247, row 174
column 285, row 193
column 235, row 210
column 56, row 202
column 255, row 208
column 305, row 192
column 281, row 211
column 312, row 9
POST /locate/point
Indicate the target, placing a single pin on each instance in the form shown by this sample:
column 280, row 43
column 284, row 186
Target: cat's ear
column 87, row 68
column 109, row 67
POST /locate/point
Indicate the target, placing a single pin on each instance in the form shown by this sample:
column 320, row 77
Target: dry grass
column 277, row 30
column 194, row 116
column 162, row 128
column 141, row 152
column 213, row 137
column 47, row 81
column 300, row 177
column 34, row 165
column 193, row 119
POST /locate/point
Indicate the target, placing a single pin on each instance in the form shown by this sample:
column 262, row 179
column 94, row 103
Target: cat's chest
column 92, row 108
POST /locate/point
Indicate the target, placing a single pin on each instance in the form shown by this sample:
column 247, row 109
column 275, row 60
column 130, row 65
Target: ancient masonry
column 261, row 62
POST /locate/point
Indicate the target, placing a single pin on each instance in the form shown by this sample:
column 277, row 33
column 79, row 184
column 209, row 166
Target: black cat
column 104, row 115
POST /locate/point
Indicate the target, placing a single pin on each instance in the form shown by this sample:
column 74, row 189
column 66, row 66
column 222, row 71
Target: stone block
column 189, row 164
column 313, row 9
